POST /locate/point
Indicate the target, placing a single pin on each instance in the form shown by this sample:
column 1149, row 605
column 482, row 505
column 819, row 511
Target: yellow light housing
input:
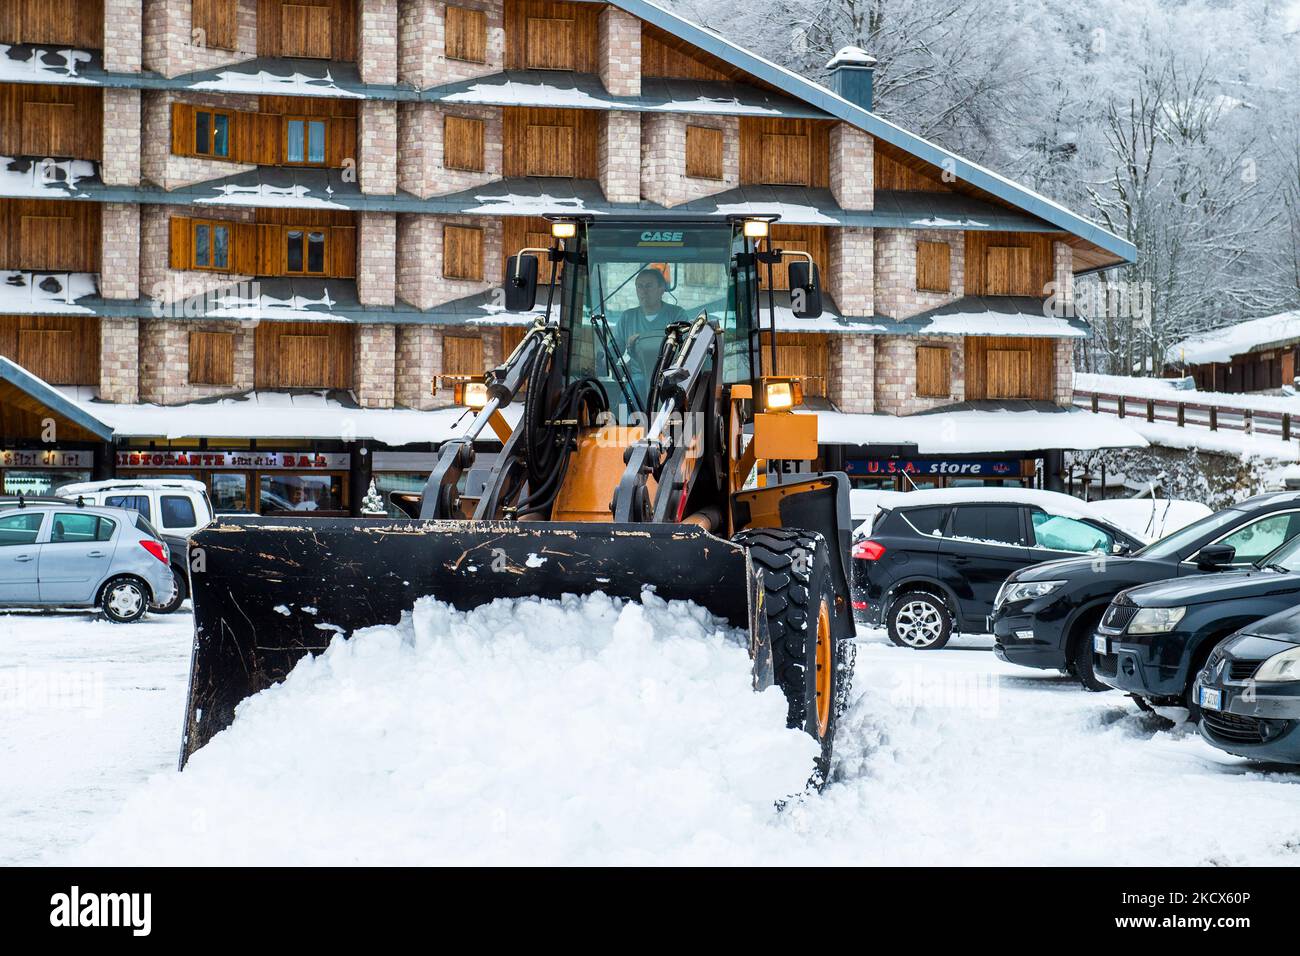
column 781, row 396
column 473, row 395
column 756, row 228
column 564, row 230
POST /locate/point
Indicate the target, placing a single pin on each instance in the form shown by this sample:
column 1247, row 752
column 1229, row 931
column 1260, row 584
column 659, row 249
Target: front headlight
column 1156, row 620
column 1280, row 667
column 1011, row 593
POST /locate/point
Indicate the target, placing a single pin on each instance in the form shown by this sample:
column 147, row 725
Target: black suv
column 935, row 560
column 1045, row 616
column 1153, row 639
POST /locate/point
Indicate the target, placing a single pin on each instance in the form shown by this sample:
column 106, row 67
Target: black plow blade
column 268, row 591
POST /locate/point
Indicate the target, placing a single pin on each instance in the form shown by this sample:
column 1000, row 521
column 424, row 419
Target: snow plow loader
column 647, row 442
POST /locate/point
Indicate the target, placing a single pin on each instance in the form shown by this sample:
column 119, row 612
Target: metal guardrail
column 1250, row 421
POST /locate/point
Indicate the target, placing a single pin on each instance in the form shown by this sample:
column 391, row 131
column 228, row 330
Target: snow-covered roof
column 277, row 415
column 24, row 63
column 47, row 293
column 972, row 431
column 1220, row 345
column 28, row 177
column 52, row 398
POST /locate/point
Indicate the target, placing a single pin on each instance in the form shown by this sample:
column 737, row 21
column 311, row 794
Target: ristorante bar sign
column 237, row 460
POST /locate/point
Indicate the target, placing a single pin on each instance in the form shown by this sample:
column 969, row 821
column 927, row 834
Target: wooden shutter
column 257, row 138
column 48, row 354
column 462, row 252
column 212, row 358
column 49, row 129
column 217, row 20
column 182, row 129
column 462, row 355
column 270, row 249
column 47, row 243
column 342, row 252
column 785, row 159
column 182, row 243
column 304, row 361
column 57, row 21
column 466, row 35
column 1007, row 271
column 1008, row 373
column 462, row 143
column 932, row 367
column 704, row 152
column 548, row 43
column 932, row 266
column 548, row 151
column 340, row 140
column 243, row 248
column 305, row 31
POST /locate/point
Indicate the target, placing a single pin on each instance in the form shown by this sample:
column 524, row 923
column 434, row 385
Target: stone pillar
column 377, row 42
column 619, row 52
column 852, row 161
column 850, row 275
column 376, row 257
column 619, row 150
column 377, row 136
column 120, row 165
column 119, row 268
column 1063, row 276
column 374, row 365
column 852, row 372
column 119, row 353
column 419, row 362
column 1063, row 371
column 122, row 36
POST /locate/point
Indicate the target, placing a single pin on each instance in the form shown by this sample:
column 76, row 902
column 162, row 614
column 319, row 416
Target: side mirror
column 521, row 283
column 805, row 290
column 1215, row 557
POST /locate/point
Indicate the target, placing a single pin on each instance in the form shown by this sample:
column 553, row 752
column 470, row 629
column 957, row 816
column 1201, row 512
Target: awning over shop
column 296, row 415
column 980, row 428
column 28, row 404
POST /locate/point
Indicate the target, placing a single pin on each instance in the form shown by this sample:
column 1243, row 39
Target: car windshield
column 1285, row 558
column 1172, row 544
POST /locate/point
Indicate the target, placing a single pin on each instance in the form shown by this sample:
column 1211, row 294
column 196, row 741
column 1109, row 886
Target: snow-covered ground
column 590, row 733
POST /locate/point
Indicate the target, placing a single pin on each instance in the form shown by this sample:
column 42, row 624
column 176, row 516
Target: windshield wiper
column 1280, row 568
column 617, row 366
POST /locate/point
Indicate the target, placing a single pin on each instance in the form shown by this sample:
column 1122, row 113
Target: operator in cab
column 641, row 329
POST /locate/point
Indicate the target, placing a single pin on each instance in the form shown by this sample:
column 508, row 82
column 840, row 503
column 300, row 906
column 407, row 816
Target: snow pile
column 582, row 731
column 1220, row 345
column 1149, row 518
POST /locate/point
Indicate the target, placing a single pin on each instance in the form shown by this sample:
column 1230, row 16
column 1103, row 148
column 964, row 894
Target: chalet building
column 1254, row 356
column 257, row 242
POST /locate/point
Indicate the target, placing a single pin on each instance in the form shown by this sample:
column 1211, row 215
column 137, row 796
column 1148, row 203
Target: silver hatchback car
column 65, row 554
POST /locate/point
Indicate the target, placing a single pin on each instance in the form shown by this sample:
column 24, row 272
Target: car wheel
column 124, row 600
column 919, row 620
column 181, row 593
column 1084, row 662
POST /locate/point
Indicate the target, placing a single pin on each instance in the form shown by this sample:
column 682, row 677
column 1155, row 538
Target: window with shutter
column 1008, row 272
column 462, row 143
column 785, row 159
column 305, row 31
column 704, row 152
column 213, row 24
column 49, row 129
column 1008, row 374
column 548, row 43
column 212, row 358
column 932, row 370
column 549, row 151
column 932, row 266
column 466, row 34
column 462, row 252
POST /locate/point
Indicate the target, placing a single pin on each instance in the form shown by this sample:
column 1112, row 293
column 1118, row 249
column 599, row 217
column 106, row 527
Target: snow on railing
column 1238, row 416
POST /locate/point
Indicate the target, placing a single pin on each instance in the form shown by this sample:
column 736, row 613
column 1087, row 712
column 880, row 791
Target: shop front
column 35, row 471
column 910, row 474
column 262, row 481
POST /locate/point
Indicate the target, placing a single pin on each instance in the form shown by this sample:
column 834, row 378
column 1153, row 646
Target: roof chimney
column 851, row 75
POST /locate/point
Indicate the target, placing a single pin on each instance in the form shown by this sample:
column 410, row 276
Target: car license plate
column 1100, row 644
column 1209, row 698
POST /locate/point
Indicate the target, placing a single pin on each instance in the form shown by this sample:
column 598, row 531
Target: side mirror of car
column 1215, row 557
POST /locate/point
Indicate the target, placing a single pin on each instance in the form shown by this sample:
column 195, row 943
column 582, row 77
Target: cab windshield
column 632, row 284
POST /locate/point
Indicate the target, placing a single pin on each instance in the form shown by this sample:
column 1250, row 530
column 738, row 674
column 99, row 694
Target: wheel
column 124, row 600
column 811, row 667
column 919, row 620
column 1083, row 660
column 181, row 593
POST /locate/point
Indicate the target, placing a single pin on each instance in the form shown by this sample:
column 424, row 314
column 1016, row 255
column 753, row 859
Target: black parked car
column 935, row 559
column 1045, row 616
column 1249, row 691
column 1153, row 639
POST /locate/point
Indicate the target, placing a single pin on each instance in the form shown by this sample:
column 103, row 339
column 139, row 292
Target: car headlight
column 1281, row 667
column 1011, row 593
column 1156, row 620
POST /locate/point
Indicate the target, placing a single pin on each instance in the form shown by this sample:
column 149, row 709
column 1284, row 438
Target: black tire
column 799, row 600
column 182, row 592
column 1083, row 658
column 919, row 620
column 124, row 599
